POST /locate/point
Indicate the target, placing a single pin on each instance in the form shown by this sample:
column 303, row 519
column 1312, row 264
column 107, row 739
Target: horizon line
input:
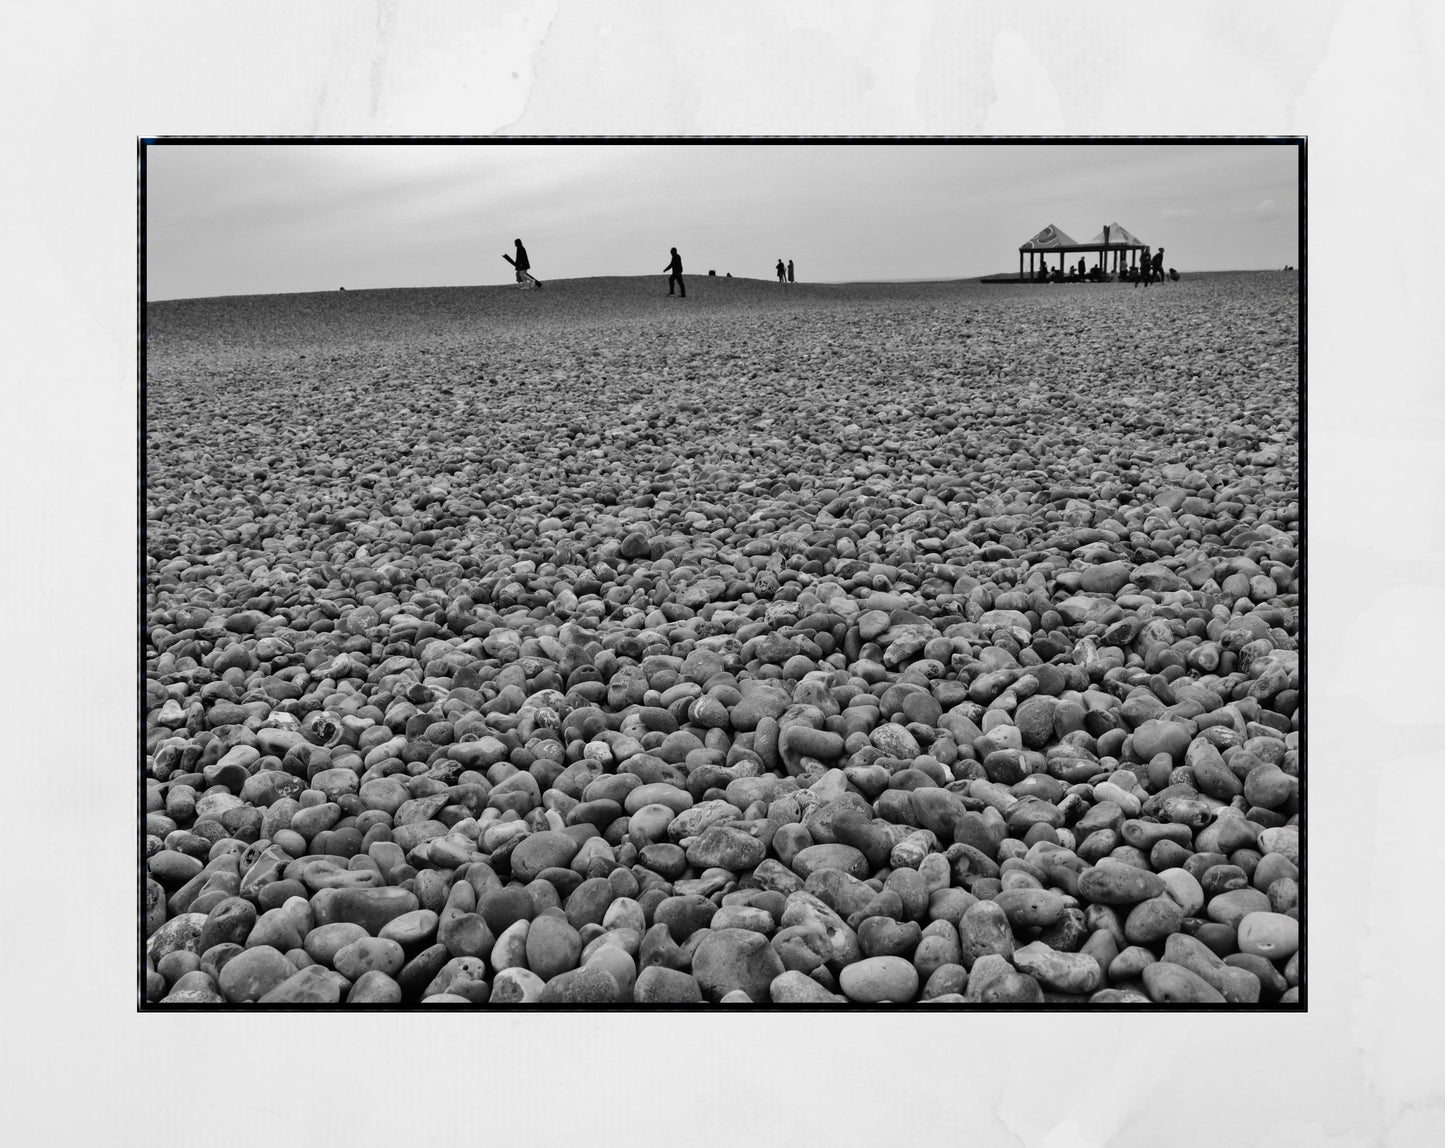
column 649, row 275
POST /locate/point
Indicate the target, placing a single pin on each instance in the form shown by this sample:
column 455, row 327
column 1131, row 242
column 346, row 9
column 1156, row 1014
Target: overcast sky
column 227, row 219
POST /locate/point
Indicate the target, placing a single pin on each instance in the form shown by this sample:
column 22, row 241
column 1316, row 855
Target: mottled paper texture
column 83, row 79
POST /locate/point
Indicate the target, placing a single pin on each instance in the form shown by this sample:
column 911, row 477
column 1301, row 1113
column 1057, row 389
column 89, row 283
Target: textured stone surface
column 496, row 654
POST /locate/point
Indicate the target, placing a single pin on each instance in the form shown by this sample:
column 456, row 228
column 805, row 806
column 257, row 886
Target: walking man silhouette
column 1159, row 265
column 522, row 264
column 782, row 272
column 675, row 267
column 790, row 270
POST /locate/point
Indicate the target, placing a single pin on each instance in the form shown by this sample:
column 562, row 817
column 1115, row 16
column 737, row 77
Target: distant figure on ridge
column 675, row 268
column 790, row 270
column 782, row 272
column 522, row 263
column 523, row 267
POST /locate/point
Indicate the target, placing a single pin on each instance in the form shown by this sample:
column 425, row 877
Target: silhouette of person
column 790, row 270
column 782, row 272
column 522, row 263
column 675, row 267
column 1159, row 265
column 1145, row 268
column 1173, row 275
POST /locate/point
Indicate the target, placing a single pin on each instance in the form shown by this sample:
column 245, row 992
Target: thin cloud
column 1178, row 212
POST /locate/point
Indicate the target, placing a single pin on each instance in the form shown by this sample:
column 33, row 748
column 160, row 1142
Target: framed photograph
column 799, row 573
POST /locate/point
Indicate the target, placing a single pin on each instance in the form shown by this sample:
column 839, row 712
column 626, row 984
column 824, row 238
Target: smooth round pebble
column 877, row 979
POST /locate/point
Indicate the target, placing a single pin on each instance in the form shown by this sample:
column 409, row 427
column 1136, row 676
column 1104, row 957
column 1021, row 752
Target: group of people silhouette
column 675, row 283
column 1150, row 268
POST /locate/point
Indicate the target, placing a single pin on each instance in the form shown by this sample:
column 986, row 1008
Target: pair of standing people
column 1151, row 268
column 785, row 274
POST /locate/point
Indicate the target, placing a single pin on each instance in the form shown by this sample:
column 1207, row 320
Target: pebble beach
column 824, row 645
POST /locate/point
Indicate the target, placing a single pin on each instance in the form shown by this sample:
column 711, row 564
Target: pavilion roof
column 1049, row 239
column 1118, row 237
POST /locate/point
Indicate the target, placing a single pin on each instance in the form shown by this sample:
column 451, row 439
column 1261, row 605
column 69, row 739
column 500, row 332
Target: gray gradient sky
column 229, row 219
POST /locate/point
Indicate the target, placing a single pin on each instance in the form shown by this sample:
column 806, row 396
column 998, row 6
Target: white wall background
column 81, row 80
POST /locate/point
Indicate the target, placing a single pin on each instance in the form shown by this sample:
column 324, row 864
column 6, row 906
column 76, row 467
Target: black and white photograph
column 669, row 574
column 635, row 573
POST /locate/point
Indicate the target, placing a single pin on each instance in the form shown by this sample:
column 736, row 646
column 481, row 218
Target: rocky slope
column 824, row 644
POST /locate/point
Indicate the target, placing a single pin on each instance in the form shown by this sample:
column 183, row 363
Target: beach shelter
column 1119, row 246
column 1050, row 239
column 1114, row 245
